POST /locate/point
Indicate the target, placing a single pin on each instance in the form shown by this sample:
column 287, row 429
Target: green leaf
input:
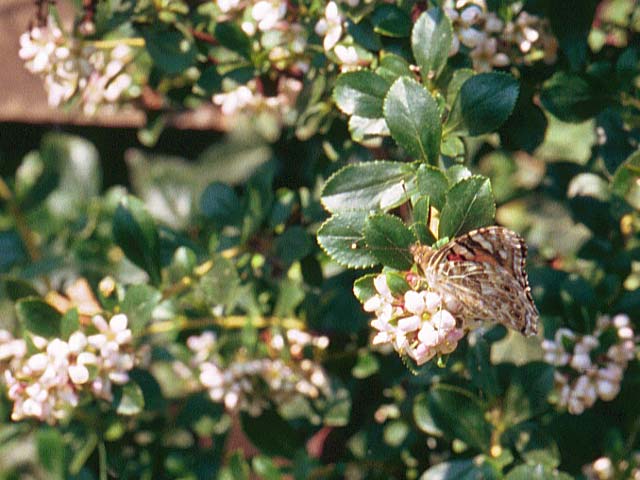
column 360, row 93
column 209, row 82
column 571, row 21
column 469, row 205
column 457, row 80
column 342, row 238
column 271, row 434
column 294, row 243
column 533, row 444
column 220, row 204
column 12, row 249
column 527, row 394
column 230, row 35
column 35, row 179
column 290, row 295
column 366, row 365
column 367, row 186
column 421, row 208
column 51, row 451
column 170, row 50
column 363, row 34
column 475, row 469
column 69, row 323
column 483, row 375
column 459, row 414
column 391, row 21
column 413, row 119
column 82, row 454
column 237, row 468
column 422, row 416
column 433, row 183
column 393, row 66
column 573, row 97
column 258, row 199
column 389, row 240
column 138, row 305
column 220, row 285
column 452, row 146
column 431, row 41
column 625, row 181
column 38, row 317
column 16, row 288
column 395, row 432
column 128, row 399
column 536, row 472
column 456, row 173
column 363, row 287
column 265, row 468
column 135, row 233
column 363, row 129
column 484, row 103
column 78, row 164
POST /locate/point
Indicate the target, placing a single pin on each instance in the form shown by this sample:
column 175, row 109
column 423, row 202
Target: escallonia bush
column 324, row 293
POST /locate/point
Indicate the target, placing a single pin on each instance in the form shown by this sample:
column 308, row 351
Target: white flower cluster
column 589, row 367
column 247, row 99
column 493, row 43
column 68, row 67
column 48, row 383
column 250, row 384
column 415, row 323
column 604, row 468
column 276, row 28
column 331, row 29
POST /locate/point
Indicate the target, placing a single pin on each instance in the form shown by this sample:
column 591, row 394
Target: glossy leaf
column 51, row 452
column 433, row 183
column 413, row 118
column 460, row 415
column 128, row 399
column 220, row 204
column 360, row 93
column 38, row 317
column 461, row 470
column 135, row 233
column 431, row 41
column 138, row 304
column 536, row 472
column 271, row 434
column 342, row 238
column 363, row 287
column 469, row 205
column 393, row 66
column 170, row 50
column 367, row 186
column 572, row 97
column 389, row 240
column 484, row 103
column 391, row 21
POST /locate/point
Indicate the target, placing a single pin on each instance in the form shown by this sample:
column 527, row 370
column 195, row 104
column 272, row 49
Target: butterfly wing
column 484, row 271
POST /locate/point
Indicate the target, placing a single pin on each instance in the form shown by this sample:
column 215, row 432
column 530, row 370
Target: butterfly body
column 483, row 274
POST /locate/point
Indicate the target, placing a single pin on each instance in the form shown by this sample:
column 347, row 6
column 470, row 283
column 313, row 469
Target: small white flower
column 79, row 374
column 330, row 27
column 38, row 363
column 346, row 55
column 268, row 13
column 77, row 342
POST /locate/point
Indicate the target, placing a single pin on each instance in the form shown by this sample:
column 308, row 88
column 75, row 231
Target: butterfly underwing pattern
column 484, row 273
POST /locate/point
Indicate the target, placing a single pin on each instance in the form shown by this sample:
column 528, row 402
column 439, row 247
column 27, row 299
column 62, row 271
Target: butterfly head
column 421, row 255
